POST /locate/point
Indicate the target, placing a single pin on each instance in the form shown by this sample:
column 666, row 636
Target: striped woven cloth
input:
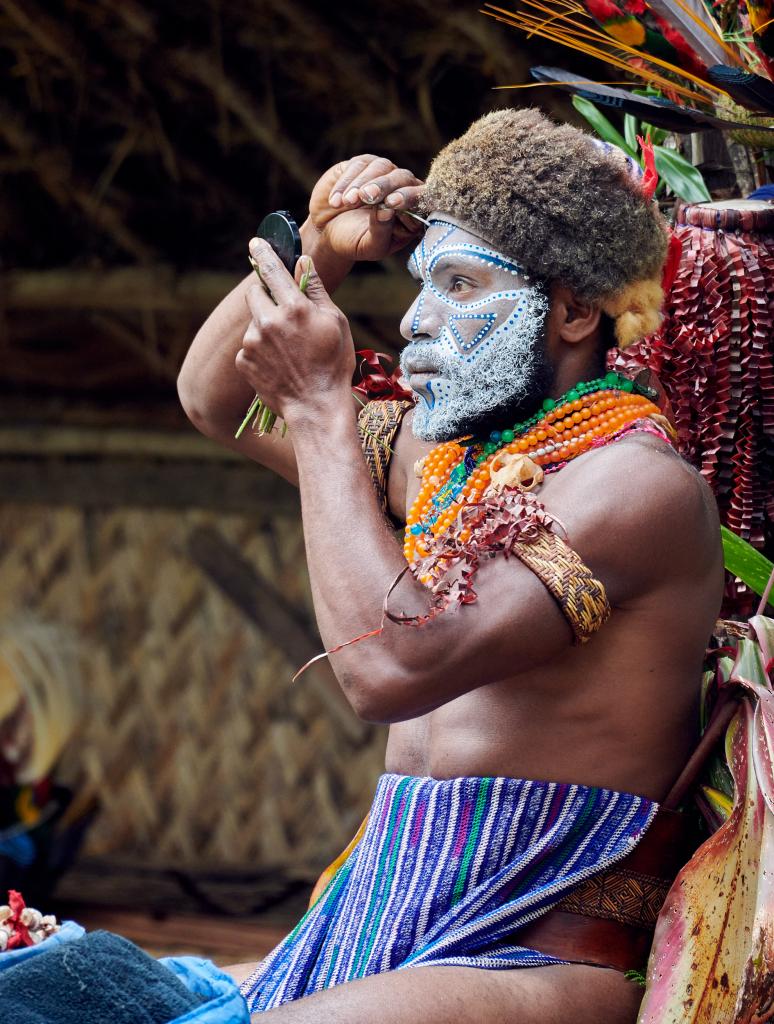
column 445, row 872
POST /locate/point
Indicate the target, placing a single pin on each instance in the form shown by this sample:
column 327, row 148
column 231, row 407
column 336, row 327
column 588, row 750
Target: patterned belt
column 608, row 920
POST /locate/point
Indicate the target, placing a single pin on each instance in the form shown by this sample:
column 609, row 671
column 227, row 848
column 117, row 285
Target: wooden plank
column 226, row 941
column 146, row 483
column 159, row 289
column 46, row 441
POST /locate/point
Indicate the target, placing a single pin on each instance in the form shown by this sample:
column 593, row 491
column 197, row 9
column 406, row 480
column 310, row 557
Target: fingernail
column 371, row 192
column 393, row 199
column 384, row 215
column 352, row 196
column 253, row 245
column 335, row 199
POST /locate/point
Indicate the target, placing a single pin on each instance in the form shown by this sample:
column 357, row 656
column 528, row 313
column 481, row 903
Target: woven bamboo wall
column 200, row 750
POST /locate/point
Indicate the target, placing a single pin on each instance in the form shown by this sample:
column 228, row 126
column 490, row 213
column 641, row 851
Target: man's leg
column 467, row 995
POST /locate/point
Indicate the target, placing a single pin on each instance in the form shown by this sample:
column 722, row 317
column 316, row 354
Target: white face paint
column 475, row 333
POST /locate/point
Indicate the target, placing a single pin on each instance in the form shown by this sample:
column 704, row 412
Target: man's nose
column 422, row 320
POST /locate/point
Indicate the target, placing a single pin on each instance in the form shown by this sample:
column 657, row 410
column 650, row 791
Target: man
column 540, row 244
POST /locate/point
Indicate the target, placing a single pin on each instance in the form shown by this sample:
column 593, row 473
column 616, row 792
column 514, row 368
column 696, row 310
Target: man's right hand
column 345, row 213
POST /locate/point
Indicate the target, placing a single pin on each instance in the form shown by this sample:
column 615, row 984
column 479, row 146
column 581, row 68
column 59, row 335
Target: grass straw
column 262, row 416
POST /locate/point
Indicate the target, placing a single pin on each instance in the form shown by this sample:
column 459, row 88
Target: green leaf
column 604, row 128
column 657, row 135
column 630, row 131
column 743, row 560
column 683, row 178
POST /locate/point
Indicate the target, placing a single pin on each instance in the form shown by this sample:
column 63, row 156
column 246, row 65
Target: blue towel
column 94, row 980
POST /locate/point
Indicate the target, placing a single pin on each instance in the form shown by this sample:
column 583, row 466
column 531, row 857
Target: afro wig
column 565, row 206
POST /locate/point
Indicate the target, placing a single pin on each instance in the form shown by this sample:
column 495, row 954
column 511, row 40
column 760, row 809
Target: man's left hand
column 298, row 349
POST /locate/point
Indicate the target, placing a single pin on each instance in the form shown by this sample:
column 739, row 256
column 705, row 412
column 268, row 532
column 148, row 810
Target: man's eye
column 459, row 284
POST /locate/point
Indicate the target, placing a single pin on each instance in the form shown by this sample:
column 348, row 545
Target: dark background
column 142, row 142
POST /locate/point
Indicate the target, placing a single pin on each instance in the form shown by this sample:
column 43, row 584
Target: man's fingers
column 258, row 301
column 377, row 168
column 272, row 271
column 349, row 171
column 359, row 170
column 315, row 290
column 404, row 198
column 395, row 183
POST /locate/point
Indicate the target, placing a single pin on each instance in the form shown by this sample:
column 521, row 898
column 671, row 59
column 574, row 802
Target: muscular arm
column 635, row 515
column 353, row 559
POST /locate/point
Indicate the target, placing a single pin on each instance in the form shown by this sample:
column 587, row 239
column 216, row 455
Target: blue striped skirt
column 445, row 872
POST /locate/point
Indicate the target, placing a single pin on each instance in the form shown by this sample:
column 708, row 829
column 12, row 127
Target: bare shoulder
column 641, row 511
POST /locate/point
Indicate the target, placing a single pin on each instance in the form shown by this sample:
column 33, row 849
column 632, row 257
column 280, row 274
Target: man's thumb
column 310, row 283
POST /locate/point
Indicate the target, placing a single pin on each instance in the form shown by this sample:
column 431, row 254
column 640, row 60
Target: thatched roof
column 142, row 143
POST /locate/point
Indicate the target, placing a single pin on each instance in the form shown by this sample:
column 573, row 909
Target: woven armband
column 580, row 595
column 378, row 425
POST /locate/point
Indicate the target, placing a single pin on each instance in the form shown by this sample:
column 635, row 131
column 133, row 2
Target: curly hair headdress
column 563, row 205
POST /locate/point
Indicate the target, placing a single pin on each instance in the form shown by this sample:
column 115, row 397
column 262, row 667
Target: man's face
column 475, row 333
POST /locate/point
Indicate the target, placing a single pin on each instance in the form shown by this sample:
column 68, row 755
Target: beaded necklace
column 456, row 473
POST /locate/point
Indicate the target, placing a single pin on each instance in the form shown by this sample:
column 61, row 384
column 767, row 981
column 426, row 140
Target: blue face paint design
column 471, row 346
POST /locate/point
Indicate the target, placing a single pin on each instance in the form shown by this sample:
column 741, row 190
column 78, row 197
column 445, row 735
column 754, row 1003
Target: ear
column 575, row 319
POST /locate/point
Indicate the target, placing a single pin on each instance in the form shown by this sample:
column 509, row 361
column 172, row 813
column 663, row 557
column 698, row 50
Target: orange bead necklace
column 457, row 473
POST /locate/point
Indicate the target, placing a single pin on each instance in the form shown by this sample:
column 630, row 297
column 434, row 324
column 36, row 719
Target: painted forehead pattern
column 424, row 258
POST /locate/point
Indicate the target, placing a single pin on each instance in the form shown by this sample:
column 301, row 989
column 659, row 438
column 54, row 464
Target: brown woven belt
column 608, row 920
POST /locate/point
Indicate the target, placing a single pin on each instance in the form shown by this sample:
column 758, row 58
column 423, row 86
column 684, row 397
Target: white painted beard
column 502, row 375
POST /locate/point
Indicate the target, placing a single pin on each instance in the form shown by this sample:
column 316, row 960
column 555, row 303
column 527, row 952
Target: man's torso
column 619, row 712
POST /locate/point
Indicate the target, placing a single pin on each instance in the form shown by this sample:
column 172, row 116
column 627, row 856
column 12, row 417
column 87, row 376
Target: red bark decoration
column 375, row 381
column 714, row 355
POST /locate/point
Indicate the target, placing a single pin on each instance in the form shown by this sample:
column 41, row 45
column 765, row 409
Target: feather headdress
column 678, row 47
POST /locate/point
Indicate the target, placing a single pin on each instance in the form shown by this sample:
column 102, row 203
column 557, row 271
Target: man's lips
column 419, row 378
column 420, row 371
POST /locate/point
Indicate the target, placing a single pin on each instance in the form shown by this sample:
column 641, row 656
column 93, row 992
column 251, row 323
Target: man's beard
column 505, row 383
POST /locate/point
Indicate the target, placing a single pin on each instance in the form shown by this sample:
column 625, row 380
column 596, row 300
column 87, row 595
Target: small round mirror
column 281, row 232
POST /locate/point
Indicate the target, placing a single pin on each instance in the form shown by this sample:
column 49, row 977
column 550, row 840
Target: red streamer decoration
column 714, row 356
column 376, row 381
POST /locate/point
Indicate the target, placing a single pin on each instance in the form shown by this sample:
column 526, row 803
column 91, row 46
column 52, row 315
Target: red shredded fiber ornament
column 378, row 382
column 714, row 356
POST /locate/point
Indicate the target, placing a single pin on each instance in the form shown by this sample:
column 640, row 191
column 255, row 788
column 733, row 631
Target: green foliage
column 745, row 562
column 674, row 170
column 630, row 131
column 681, row 176
column 605, row 129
